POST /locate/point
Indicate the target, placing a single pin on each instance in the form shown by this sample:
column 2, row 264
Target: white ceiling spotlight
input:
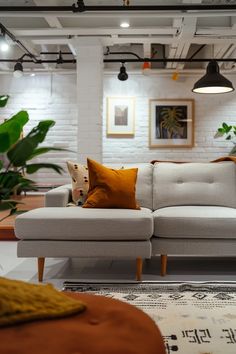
column 4, row 46
column 124, row 24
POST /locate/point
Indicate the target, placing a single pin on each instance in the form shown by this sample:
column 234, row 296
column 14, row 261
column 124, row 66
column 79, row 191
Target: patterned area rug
column 194, row 318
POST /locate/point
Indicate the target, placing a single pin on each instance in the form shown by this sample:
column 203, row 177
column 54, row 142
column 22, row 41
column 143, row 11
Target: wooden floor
column 7, row 225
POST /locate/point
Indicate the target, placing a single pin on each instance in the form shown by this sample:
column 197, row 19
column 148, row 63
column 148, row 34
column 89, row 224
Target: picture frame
column 120, row 116
column 171, row 123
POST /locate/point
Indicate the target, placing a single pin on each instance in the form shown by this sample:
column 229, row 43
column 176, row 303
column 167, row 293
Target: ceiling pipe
column 115, row 14
column 123, row 60
column 168, row 60
column 80, row 8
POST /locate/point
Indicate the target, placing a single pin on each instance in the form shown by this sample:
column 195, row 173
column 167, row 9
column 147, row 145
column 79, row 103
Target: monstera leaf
column 16, row 153
column 11, row 130
column 24, row 148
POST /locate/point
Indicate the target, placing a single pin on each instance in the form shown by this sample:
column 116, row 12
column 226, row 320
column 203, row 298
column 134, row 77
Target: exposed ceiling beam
column 183, row 38
column 177, row 24
column 111, row 40
column 165, row 30
column 51, row 20
column 182, row 41
column 216, row 31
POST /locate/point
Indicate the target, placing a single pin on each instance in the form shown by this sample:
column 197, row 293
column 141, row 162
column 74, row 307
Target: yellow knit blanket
column 23, row 302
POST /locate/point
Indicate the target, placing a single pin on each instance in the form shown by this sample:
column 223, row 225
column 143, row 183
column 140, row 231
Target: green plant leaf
column 8, row 204
column 24, row 148
column 225, row 125
column 13, row 182
column 229, row 137
column 221, row 130
column 5, row 142
column 13, row 211
column 10, row 130
column 34, row 167
column 1, row 164
column 44, row 150
column 3, row 100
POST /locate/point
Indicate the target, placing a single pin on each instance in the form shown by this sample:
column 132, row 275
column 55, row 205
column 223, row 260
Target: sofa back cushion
column 144, row 182
column 194, row 184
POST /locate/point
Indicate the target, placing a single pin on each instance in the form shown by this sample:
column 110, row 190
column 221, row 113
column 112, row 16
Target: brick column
column 89, row 97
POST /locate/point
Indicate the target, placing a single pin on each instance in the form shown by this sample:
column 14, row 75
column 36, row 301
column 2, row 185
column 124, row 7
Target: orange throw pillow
column 110, row 188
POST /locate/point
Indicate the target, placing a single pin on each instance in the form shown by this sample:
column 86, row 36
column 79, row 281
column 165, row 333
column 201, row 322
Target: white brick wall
column 53, row 96
column 210, row 111
column 46, row 97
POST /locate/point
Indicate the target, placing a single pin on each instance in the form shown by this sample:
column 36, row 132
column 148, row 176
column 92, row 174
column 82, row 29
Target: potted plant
column 229, row 131
column 16, row 155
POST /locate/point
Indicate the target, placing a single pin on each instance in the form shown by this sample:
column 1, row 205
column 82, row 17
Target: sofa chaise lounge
column 186, row 209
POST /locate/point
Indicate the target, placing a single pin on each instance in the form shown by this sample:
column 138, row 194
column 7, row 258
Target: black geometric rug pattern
column 194, row 317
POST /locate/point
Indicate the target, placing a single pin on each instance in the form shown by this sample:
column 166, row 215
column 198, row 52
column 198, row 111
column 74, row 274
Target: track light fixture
column 122, row 76
column 18, row 70
column 213, row 81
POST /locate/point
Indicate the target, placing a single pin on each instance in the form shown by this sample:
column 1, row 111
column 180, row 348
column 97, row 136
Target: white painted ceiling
column 179, row 34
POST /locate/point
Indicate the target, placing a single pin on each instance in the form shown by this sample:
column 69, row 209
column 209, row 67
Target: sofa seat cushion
column 195, row 222
column 85, row 224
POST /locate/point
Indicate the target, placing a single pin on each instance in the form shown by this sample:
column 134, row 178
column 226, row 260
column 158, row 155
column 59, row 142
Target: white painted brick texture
column 210, row 112
column 54, row 96
column 46, row 97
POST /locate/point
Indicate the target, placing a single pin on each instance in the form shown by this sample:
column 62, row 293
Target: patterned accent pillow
column 80, row 182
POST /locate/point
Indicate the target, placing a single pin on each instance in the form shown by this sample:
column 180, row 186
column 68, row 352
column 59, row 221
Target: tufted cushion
column 194, row 184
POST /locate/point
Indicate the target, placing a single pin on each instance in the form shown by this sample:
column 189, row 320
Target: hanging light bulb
column 213, row 81
column 122, row 76
column 18, row 70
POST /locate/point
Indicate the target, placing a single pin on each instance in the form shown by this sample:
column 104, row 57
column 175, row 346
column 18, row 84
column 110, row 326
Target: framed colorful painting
column 171, row 123
column 120, row 116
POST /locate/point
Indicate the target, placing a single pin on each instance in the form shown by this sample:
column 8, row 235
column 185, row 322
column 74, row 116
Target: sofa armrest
column 58, row 197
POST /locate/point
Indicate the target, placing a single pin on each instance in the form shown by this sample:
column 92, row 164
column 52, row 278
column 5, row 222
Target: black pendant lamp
column 213, row 81
column 122, row 76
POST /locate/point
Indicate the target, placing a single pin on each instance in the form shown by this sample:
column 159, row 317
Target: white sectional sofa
column 186, row 209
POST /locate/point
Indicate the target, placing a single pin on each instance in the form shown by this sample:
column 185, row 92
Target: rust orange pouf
column 107, row 326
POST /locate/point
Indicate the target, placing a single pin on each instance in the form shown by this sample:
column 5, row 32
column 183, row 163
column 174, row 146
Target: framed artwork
column 120, row 116
column 171, row 123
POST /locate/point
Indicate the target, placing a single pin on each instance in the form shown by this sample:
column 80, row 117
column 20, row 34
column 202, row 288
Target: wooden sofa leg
column 139, row 268
column 41, row 262
column 163, row 264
